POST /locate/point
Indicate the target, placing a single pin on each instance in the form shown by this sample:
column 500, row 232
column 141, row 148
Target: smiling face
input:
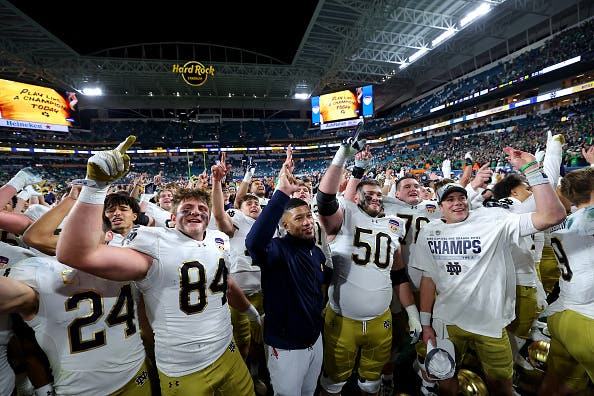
column 299, row 222
column 369, row 198
column 191, row 217
column 454, row 207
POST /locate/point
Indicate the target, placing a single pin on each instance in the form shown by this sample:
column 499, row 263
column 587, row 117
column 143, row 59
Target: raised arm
column 330, row 213
column 222, row 219
column 79, row 244
column 362, row 161
column 245, row 183
column 549, row 210
column 41, row 234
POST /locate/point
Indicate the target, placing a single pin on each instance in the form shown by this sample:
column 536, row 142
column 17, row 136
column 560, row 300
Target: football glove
column 414, row 323
column 25, row 177
column 108, row 166
column 348, row 148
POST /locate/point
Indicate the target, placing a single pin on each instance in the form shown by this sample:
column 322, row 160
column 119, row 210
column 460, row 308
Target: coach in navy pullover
column 293, row 272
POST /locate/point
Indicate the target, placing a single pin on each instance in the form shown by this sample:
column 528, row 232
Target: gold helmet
column 470, row 384
column 538, row 352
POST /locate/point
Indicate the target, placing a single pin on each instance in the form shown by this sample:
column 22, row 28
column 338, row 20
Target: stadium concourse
column 468, row 167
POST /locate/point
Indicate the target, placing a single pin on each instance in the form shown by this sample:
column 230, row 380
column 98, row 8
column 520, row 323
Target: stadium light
column 92, row 91
column 443, row 37
column 418, row 54
column 475, row 14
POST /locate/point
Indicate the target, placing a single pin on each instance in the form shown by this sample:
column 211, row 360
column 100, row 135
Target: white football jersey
column 163, row 218
column 247, row 276
column 415, row 217
column 574, row 249
column 472, row 267
column 362, row 256
column 9, row 254
column 86, row 325
column 185, row 296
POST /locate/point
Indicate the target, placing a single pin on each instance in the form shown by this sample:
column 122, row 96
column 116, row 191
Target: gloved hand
column 446, row 168
column 414, row 323
column 24, row 177
column 539, row 154
column 32, row 191
column 347, row 149
column 468, row 158
column 249, row 172
column 108, row 166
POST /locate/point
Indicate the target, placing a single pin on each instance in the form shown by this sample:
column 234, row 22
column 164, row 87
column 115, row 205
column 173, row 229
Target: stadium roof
column 346, row 43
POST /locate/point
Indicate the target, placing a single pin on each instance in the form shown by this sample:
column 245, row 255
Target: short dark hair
column 406, row 176
column 503, row 188
column 368, row 182
column 295, row 203
column 247, row 197
column 121, row 198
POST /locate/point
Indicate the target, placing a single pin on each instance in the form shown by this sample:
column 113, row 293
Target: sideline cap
column 440, row 362
column 445, row 190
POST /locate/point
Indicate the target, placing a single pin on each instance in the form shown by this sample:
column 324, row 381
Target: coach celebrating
column 293, row 273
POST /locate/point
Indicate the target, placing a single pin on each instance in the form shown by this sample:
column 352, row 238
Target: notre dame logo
column 454, row 268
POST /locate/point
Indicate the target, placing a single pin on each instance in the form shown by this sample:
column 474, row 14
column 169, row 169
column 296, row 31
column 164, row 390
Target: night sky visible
column 272, row 28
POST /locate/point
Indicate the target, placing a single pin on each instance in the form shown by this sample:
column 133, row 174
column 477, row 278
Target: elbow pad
column 399, row 276
column 327, row 203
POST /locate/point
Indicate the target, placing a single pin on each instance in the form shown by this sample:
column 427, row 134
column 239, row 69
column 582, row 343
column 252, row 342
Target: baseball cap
column 440, row 362
column 446, row 189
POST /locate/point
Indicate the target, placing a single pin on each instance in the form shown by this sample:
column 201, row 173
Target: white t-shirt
column 574, row 250
column 185, row 297
column 362, row 256
column 87, row 326
column 472, row 267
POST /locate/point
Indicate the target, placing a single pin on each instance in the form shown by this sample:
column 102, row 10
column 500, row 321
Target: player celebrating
column 182, row 274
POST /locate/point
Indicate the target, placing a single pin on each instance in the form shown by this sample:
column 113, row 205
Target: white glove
column 468, row 155
column 446, row 168
column 32, row 191
column 362, row 163
column 541, row 297
column 249, row 173
column 539, row 154
column 414, row 323
column 24, row 195
column 347, row 149
column 25, row 177
column 108, row 166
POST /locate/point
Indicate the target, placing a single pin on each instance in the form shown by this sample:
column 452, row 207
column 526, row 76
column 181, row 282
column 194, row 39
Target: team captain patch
column 393, row 225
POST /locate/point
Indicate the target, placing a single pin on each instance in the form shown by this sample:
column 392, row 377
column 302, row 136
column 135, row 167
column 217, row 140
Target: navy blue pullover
column 293, row 273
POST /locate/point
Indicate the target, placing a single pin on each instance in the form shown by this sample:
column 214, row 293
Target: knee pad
column 331, row 386
column 369, row 386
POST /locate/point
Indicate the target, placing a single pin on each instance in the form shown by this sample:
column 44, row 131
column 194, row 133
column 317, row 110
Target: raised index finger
column 125, row 145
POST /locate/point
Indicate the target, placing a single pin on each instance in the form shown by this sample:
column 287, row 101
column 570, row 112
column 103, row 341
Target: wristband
column 358, row 172
column 93, row 195
column 252, row 313
column 425, row 318
column 248, row 176
column 528, row 165
column 537, row 177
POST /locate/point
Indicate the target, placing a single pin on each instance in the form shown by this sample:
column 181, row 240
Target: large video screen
column 35, row 107
column 343, row 108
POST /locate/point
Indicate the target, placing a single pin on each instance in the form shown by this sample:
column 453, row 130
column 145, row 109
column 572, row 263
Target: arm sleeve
column 264, row 228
